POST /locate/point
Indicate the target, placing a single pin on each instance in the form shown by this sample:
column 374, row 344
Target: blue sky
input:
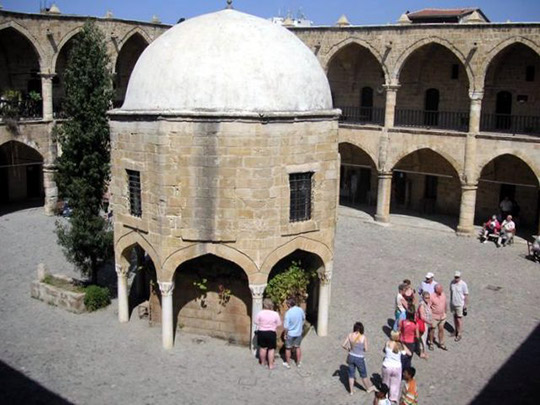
column 322, row 12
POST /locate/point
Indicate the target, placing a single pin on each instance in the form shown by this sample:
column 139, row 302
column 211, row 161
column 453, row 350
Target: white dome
column 227, row 62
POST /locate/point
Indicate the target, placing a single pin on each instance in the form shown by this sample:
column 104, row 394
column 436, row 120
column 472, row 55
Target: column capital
column 469, row 186
column 46, row 75
column 391, row 87
column 384, row 174
column 257, row 290
column 121, row 271
column 166, row 288
column 326, row 277
column 476, row 95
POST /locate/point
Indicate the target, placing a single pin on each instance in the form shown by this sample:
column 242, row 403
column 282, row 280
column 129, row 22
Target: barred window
column 300, row 185
column 134, row 184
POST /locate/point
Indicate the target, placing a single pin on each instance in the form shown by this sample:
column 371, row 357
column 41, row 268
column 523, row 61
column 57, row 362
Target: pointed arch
column 33, row 41
column 67, row 37
column 175, row 259
column 501, row 46
column 404, row 56
column 351, row 140
column 135, row 238
column 129, row 35
column 300, row 243
column 339, row 46
column 482, row 163
column 457, row 166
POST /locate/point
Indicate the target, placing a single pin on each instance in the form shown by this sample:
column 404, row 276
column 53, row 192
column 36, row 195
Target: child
column 409, row 394
column 381, row 396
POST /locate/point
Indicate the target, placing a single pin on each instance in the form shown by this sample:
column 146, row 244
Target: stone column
column 383, row 197
column 257, row 292
column 167, row 322
column 325, row 282
column 123, row 303
column 390, row 107
column 466, row 210
column 47, row 95
column 475, row 111
column 51, row 191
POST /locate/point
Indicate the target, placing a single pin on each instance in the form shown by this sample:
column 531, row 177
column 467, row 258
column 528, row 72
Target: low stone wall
column 69, row 300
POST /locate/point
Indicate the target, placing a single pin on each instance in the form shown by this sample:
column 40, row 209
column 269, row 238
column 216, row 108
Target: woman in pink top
column 267, row 322
column 409, row 335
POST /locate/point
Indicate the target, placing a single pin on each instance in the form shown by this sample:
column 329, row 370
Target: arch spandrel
column 335, row 49
column 300, row 243
column 409, row 51
column 40, row 54
column 175, row 259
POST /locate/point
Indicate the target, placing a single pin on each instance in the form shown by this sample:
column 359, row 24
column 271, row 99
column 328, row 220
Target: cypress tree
column 84, row 165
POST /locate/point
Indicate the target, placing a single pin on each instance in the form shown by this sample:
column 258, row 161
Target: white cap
column 457, row 274
column 429, row 275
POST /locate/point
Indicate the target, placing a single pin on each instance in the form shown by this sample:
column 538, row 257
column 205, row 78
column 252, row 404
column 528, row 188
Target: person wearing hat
column 459, row 296
column 428, row 284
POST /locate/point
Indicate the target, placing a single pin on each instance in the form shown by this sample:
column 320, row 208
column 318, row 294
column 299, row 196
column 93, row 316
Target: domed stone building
column 225, row 169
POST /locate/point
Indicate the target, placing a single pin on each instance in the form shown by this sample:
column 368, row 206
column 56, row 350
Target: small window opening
column 300, row 186
column 134, row 185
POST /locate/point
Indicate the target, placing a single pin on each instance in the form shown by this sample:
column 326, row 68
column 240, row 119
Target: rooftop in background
column 444, row 15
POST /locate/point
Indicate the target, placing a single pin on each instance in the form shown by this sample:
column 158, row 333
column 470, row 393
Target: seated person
column 535, row 250
column 492, row 226
column 508, row 230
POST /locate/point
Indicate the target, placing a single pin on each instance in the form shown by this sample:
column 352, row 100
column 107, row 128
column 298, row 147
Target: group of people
column 504, row 231
column 417, row 319
column 268, row 321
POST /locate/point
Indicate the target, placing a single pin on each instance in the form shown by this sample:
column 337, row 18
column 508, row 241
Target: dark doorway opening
column 431, row 108
column 503, row 110
column 366, row 104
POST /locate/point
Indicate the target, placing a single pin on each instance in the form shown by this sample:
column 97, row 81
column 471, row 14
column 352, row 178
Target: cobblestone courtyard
column 93, row 359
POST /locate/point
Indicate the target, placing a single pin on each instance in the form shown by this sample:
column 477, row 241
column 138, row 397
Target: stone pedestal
column 383, row 197
column 167, row 322
column 325, row 282
column 257, row 292
column 123, row 302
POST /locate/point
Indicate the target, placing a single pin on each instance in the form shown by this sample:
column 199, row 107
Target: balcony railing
column 514, row 124
column 362, row 115
column 458, row 121
column 21, row 110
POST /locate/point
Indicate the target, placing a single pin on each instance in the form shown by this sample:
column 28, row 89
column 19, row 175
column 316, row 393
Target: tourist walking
column 438, row 311
column 401, row 306
column 409, row 393
column 459, row 297
column 356, row 344
column 267, row 321
column 391, row 367
column 294, row 326
column 409, row 335
column 425, row 321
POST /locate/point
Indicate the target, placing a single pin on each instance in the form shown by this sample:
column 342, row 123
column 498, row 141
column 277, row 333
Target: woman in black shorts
column 267, row 322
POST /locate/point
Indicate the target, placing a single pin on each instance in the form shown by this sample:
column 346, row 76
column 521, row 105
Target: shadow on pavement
column 516, row 382
column 7, row 208
column 16, row 388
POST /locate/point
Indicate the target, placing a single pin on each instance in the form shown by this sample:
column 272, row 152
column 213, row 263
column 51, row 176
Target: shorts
column 458, row 311
column 293, row 341
column 437, row 322
column 356, row 363
column 266, row 339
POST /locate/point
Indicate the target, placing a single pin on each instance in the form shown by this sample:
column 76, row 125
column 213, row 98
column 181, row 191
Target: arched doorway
column 212, row 297
column 353, row 73
column 434, row 90
column 21, row 174
column 127, row 57
column 20, row 83
column 425, row 184
column 510, row 102
column 358, row 178
column 59, row 90
column 509, row 176
column 313, row 266
column 142, row 279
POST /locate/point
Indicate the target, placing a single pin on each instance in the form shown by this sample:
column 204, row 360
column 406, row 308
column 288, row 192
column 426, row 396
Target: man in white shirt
column 506, row 206
column 428, row 284
column 508, row 230
column 459, row 298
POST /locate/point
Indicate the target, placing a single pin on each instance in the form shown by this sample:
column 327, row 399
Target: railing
column 21, row 110
column 514, row 124
column 362, row 115
column 58, row 108
column 458, row 121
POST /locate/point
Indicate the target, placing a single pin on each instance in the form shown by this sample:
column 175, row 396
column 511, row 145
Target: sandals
column 458, row 338
column 430, row 346
column 443, row 347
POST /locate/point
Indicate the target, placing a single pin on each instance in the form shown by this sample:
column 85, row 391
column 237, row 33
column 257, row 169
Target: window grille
column 134, row 184
column 300, row 185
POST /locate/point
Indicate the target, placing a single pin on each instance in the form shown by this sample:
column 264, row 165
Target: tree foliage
column 293, row 282
column 84, row 165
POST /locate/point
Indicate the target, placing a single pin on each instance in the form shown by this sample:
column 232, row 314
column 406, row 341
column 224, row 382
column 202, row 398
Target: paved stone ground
column 92, row 359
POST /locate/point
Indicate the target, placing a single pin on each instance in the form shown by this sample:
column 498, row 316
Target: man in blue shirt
column 294, row 325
